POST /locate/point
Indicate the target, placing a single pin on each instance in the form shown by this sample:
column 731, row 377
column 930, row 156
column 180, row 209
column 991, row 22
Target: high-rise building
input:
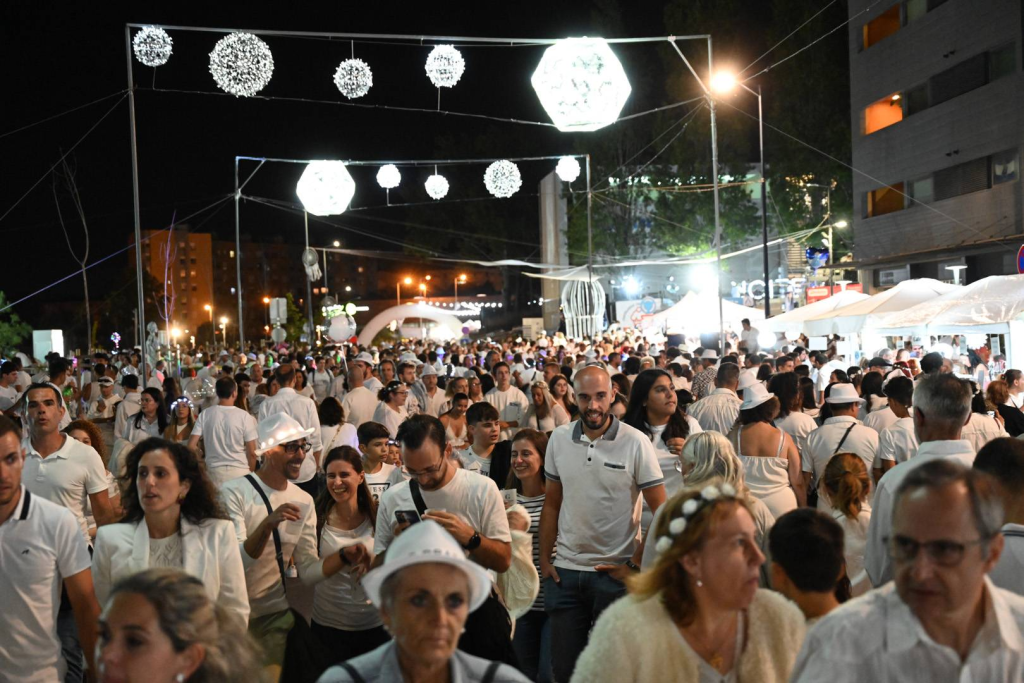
column 937, row 98
column 183, row 262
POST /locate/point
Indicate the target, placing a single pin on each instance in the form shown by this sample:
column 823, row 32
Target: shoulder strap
column 352, row 673
column 277, row 536
column 417, row 497
column 782, row 442
column 843, row 440
column 492, row 669
column 1012, row 534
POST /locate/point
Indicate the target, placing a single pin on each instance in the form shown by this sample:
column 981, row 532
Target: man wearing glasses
column 942, row 618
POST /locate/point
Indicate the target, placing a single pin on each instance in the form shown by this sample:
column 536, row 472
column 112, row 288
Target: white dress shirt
column 876, row 554
column 511, row 405
column 897, row 442
column 717, row 411
column 1009, row 571
column 303, row 410
column 823, row 442
column 877, row 638
column 981, row 429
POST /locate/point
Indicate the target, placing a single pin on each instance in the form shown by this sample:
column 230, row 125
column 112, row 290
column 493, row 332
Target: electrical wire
column 791, row 34
column 66, row 111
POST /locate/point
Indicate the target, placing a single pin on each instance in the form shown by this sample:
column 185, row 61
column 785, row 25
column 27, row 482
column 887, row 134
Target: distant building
column 936, row 96
column 185, row 261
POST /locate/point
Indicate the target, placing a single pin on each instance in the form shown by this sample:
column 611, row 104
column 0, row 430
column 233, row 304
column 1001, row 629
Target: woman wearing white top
column 543, row 414
column 344, row 622
column 791, row 419
column 334, row 431
column 563, row 394
column 845, row 485
column 454, row 421
column 172, row 518
column 391, row 411
column 151, row 420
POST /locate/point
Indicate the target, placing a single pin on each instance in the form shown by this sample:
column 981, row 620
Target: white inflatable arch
column 448, row 326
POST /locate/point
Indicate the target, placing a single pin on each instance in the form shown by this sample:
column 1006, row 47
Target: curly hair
column 95, row 438
column 201, row 502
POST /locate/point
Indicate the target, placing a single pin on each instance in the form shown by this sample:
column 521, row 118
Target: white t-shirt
column 125, row 410
column 321, row 383
column 225, row 431
column 822, row 443
column 8, row 395
column 338, row 435
column 981, row 429
column 67, row 477
column 473, row 462
column 340, row 602
column 473, row 497
column 880, row 419
column 39, row 546
column 389, row 417
column 359, row 404
column 379, row 481
column 511, row 405
column 304, row 411
column 897, row 442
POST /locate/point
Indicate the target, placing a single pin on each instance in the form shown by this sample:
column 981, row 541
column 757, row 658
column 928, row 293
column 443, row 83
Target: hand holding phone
column 407, row 517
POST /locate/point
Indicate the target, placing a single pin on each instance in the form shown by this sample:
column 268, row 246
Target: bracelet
column 341, row 556
column 632, row 565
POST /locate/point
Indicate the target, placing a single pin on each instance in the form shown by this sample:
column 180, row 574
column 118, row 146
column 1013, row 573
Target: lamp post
column 831, row 270
column 213, row 330
column 266, row 302
column 398, row 290
column 461, row 279
column 224, row 330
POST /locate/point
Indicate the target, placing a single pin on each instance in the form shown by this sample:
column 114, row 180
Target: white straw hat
column 755, row 395
column 425, row 542
column 843, row 393
column 709, row 354
column 277, row 429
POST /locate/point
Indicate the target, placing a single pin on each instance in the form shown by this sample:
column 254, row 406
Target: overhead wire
column 788, row 36
column 66, row 111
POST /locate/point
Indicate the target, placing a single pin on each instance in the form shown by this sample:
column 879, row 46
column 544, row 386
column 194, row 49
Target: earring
column 700, row 584
column 180, row 678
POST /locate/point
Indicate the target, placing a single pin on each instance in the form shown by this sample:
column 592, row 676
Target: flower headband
column 708, row 496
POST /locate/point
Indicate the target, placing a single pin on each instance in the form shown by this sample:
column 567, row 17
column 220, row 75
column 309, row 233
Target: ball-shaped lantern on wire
column 389, row 177
column 502, row 179
column 436, row 186
column 241, row 64
column 581, row 84
column 568, row 169
column 325, row 188
column 152, row 46
column 445, row 66
column 353, row 78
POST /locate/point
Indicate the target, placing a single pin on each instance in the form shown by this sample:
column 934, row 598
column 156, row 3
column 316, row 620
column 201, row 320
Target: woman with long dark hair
column 391, row 410
column 874, row 398
column 791, row 418
column 151, row 420
column 562, row 392
column 182, row 418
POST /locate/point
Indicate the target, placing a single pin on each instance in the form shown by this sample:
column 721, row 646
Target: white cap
column 363, row 357
column 277, row 429
column 428, row 542
column 843, row 393
column 755, row 395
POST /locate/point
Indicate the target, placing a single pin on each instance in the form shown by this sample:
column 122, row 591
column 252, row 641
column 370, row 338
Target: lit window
column 883, row 113
column 193, row 273
column 183, row 273
column 885, row 200
column 1005, row 167
column 231, row 254
column 882, row 26
column 923, row 189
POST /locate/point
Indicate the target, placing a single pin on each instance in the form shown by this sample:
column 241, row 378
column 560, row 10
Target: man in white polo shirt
column 303, row 410
column 359, row 403
column 841, row 433
column 40, row 547
column 596, row 469
column 718, row 410
column 228, row 434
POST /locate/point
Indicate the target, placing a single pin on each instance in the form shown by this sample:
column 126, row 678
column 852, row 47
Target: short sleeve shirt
column 67, row 477
column 225, row 431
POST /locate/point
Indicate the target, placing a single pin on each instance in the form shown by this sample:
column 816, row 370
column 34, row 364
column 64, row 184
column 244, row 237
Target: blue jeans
column 532, row 643
column 67, row 633
column 573, row 606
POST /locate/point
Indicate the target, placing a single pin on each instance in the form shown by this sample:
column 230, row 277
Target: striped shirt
column 534, row 506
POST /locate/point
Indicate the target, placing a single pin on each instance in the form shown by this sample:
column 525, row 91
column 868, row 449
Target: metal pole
column 138, row 215
column 591, row 307
column 309, row 289
column 831, row 248
column 764, row 211
column 238, row 266
column 718, row 225
column 398, row 293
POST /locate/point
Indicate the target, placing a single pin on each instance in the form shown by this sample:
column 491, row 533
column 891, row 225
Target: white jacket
column 210, row 550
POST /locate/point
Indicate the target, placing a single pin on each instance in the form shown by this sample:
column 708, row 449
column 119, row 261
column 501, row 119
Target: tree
column 68, row 179
column 120, row 303
column 12, row 329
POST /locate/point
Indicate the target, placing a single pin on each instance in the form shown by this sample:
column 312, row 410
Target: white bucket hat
column 755, row 395
column 709, row 354
column 425, row 542
column 748, row 378
column 843, row 393
column 277, row 429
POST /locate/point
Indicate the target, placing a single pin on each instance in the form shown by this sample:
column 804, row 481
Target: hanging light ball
column 325, row 188
column 152, row 46
column 436, row 186
column 568, row 169
column 445, row 66
column 581, row 84
column 241, row 64
column 502, row 179
column 353, row 78
column 388, row 177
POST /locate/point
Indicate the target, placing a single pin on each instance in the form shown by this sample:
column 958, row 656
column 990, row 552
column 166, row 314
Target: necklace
column 713, row 653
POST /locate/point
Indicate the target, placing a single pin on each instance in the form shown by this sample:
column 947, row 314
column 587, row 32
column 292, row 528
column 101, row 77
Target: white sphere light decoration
column 581, row 84
column 389, row 177
column 436, row 186
column 241, row 64
column 568, row 169
column 502, row 179
column 325, row 188
column 445, row 66
column 152, row 46
column 353, row 78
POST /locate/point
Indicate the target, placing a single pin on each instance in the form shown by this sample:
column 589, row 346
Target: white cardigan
column 210, row 550
column 636, row 640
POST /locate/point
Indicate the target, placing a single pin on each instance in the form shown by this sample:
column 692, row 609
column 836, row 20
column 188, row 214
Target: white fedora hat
column 428, row 369
column 843, row 393
column 755, row 395
column 363, row 357
column 426, row 542
column 277, row 429
column 748, row 378
column 709, row 354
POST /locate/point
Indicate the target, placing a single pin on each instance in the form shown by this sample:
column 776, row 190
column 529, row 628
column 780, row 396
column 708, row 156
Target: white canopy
column 699, row 313
column 986, row 306
column 866, row 313
column 795, row 321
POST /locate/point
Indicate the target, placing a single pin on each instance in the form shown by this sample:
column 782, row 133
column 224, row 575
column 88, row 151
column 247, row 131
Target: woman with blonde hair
column 845, row 485
column 544, row 413
column 697, row 614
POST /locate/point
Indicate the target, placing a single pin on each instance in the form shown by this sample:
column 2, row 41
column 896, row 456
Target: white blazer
column 211, row 553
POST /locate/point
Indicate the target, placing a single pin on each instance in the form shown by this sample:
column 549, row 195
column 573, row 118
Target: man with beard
column 596, row 468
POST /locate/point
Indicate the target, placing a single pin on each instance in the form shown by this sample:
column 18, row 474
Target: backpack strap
column 352, row 673
column 277, row 536
column 492, row 670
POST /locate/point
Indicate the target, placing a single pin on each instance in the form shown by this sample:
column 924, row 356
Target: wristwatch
column 474, row 542
column 632, row 565
column 341, row 555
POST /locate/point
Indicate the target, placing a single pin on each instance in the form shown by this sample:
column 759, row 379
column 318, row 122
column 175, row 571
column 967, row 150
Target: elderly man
column 719, row 410
column 942, row 619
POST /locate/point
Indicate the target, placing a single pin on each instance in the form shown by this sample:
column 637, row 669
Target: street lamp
column 398, row 289
column 724, row 82
column 831, row 271
column 956, row 272
column 423, row 289
column 213, row 330
column 266, row 302
column 224, row 330
column 461, row 279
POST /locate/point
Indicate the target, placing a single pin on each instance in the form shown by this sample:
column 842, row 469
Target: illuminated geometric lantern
column 581, row 84
column 568, row 169
column 436, row 186
column 388, row 177
column 152, row 46
column 502, row 179
column 325, row 188
column 445, row 66
column 583, row 305
column 353, row 78
column 241, row 64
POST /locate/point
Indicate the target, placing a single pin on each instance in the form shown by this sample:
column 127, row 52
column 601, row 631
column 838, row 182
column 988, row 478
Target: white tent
column 795, row 321
column 865, row 314
column 699, row 313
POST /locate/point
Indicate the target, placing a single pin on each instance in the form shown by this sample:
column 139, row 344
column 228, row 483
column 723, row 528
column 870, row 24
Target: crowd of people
column 545, row 510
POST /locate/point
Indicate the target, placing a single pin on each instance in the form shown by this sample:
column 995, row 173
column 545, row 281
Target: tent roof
column 701, row 310
column 794, row 321
column 865, row 313
column 982, row 306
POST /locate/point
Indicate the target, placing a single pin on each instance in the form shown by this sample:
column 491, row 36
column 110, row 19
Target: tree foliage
column 12, row 330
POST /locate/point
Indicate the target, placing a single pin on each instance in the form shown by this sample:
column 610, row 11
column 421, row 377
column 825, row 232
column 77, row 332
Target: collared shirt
column 876, row 554
column 717, row 411
column 67, row 477
column 823, row 441
column 799, row 426
column 303, row 410
column 39, row 547
column 359, row 404
column 702, row 382
column 511, row 405
column 1009, row 570
column 897, row 442
column 981, row 429
column 878, row 638
column 880, row 419
column 599, row 521
column 381, row 666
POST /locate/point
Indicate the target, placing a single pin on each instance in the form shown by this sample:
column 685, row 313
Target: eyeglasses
column 943, row 553
column 422, row 473
column 295, row 447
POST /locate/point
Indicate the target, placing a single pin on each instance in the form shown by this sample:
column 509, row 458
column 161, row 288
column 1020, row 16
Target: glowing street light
column 460, row 280
column 723, row 82
column 398, row 289
column 337, row 243
column 631, row 285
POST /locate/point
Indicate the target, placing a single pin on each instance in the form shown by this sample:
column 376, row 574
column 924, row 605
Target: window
column 193, row 260
column 915, row 9
column 1002, row 62
column 184, row 300
column 883, row 113
column 882, row 26
column 959, row 79
column 1005, row 167
column 193, row 288
column 181, row 245
column 231, row 254
column 915, row 100
column 183, row 273
column 885, row 200
column 970, row 176
column 182, row 261
column 193, row 273
column 923, row 189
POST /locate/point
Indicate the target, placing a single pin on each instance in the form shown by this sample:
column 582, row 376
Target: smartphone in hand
column 407, row 516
